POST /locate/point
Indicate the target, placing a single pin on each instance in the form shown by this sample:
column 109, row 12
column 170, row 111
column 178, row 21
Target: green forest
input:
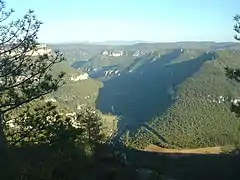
column 200, row 115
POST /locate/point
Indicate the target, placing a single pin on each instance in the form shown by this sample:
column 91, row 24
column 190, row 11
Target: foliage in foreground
column 48, row 143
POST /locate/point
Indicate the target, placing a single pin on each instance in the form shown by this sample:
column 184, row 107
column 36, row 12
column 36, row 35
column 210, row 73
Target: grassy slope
column 195, row 120
column 75, row 93
column 101, row 61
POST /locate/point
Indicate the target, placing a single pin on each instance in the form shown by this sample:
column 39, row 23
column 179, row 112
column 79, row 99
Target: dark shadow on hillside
column 65, row 162
column 141, row 95
column 46, row 162
column 77, row 64
column 188, row 166
column 101, row 72
column 150, row 129
column 70, row 163
column 146, row 61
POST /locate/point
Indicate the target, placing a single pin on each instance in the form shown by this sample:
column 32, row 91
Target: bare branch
column 236, row 27
column 30, row 77
column 26, row 38
column 16, row 105
column 20, row 57
column 18, row 42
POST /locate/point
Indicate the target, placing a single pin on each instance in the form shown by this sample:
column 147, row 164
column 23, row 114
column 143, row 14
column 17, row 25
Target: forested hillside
column 200, row 115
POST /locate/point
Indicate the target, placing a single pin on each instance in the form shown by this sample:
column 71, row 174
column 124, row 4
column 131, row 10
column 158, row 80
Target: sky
column 130, row 20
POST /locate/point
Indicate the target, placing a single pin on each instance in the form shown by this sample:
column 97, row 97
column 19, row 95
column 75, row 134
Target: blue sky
column 151, row 20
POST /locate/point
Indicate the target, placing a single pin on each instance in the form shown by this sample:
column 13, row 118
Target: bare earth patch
column 206, row 150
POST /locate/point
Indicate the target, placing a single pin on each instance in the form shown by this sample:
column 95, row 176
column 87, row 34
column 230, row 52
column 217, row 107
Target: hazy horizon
column 122, row 42
column 152, row 20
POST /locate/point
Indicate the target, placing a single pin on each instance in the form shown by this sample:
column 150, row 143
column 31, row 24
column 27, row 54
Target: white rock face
column 80, row 77
column 20, row 78
column 114, row 54
column 105, row 52
column 220, row 99
column 106, row 73
column 50, row 100
column 71, row 114
column 79, row 107
column 40, row 50
column 117, row 54
column 11, row 123
column 137, row 53
column 235, row 102
column 87, row 97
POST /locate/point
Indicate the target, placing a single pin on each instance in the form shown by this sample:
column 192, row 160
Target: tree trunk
column 3, row 144
column 4, row 159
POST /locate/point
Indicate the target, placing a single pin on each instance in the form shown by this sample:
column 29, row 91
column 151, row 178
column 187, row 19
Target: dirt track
column 206, row 150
